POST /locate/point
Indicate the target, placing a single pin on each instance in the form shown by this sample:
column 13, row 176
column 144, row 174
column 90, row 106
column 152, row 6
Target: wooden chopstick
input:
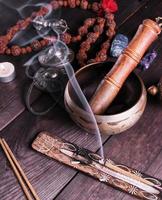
column 23, row 180
column 16, row 172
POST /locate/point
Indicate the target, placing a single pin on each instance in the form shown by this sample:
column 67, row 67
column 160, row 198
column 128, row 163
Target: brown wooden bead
column 98, row 28
column 85, row 45
column 97, row 59
column 46, row 8
column 89, row 21
column 19, row 22
column 39, row 13
column 102, row 55
column 15, row 28
column 112, row 25
column 9, row 36
column 9, row 32
column 76, row 38
column 109, row 16
column 93, row 36
column 84, row 4
column 23, row 50
column 105, row 45
column 81, row 57
column 36, row 45
column 28, row 49
column 77, row 2
column 55, row 4
column 95, row 7
column 110, row 33
column 72, row 3
column 82, row 30
column 66, row 38
column 81, row 50
column 3, row 44
column 43, row 43
column 28, row 19
column 8, row 51
column 47, row 41
column 61, row 3
column 15, row 50
column 65, row 3
column 100, row 20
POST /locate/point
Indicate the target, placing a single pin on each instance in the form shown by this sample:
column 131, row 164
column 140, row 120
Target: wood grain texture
column 139, row 152
column 47, row 176
column 117, row 176
column 135, row 148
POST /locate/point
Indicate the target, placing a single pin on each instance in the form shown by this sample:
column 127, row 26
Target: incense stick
column 106, row 171
column 23, row 180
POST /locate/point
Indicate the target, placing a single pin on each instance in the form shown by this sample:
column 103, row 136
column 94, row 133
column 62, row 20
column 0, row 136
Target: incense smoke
column 71, row 75
column 54, row 50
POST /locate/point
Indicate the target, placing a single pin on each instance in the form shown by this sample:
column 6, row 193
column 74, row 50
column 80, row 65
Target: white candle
column 7, row 72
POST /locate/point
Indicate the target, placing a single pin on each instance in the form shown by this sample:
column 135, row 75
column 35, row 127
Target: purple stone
column 147, row 60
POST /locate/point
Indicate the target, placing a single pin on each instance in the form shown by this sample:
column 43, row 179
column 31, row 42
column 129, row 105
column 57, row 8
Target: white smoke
column 61, row 51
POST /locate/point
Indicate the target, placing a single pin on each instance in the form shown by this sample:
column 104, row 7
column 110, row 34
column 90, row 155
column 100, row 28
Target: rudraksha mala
column 101, row 23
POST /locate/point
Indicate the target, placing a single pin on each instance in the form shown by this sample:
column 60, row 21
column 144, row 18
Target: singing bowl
column 123, row 113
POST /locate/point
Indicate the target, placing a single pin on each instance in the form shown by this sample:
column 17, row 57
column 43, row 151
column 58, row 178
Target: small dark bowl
column 124, row 112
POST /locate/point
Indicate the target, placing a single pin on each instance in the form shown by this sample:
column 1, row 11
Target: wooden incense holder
column 106, row 171
column 126, row 63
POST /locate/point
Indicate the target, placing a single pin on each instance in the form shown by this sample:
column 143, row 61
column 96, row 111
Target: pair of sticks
column 19, row 173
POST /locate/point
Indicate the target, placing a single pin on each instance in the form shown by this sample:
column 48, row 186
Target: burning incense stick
column 118, row 176
column 23, row 180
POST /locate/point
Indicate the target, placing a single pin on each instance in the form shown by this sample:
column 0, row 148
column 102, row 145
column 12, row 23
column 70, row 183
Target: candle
column 7, row 72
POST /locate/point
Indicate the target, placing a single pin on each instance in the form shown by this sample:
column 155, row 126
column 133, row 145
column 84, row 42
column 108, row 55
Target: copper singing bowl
column 123, row 113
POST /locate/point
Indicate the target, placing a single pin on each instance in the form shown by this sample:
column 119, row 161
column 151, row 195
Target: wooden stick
column 19, row 172
column 118, row 176
column 26, row 192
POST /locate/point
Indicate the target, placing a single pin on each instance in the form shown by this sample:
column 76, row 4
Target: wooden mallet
column 110, row 86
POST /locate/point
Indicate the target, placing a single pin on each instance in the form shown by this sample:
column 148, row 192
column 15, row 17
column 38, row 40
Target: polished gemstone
column 147, row 60
column 119, row 43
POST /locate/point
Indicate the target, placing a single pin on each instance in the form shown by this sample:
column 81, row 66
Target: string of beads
column 100, row 24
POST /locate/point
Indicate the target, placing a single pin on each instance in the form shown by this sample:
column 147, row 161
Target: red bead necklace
column 104, row 23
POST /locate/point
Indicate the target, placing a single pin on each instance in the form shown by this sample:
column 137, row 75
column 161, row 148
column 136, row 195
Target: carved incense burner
column 126, row 63
column 106, row 171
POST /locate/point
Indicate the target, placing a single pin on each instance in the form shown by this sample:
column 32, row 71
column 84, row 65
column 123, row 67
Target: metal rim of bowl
column 136, row 107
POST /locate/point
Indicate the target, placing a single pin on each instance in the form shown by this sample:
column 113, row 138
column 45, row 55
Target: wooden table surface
column 140, row 147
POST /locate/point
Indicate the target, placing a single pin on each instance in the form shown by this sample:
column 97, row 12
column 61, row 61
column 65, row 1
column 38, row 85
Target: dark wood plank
column 127, row 10
column 155, row 169
column 47, row 176
column 11, row 98
column 137, row 148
